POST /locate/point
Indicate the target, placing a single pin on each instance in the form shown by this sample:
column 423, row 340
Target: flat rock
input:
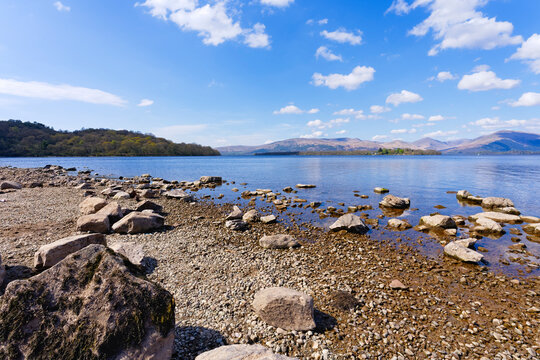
column 399, row 224
column 380, row 190
column 280, row 241
column 251, row 216
column 532, row 229
column 121, row 195
column 351, row 223
column 462, row 253
column 438, row 222
column 530, row 219
column 486, row 225
column 92, row 205
column 497, row 216
column 113, row 211
column 88, row 306
column 306, row 186
column 496, row 202
column 268, row 219
column 179, row 194
column 148, row 205
column 468, row 243
column 397, row 285
column 242, row 352
column 138, row 222
column 10, row 185
column 211, row 179
column 394, row 202
column 236, row 225
column 235, row 214
column 148, row 194
column 51, row 254
column 285, row 308
column 131, row 250
column 508, row 210
column 96, row 223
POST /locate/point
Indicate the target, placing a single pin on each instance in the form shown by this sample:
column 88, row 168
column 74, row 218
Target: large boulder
column 113, row 211
column 179, row 195
column 496, row 202
column 10, row 185
column 438, row 222
column 148, row 205
column 138, row 222
column 462, row 253
column 91, row 205
column 285, row 308
column 241, row 352
column 278, row 242
column 51, row 254
column 351, row 223
column 131, row 250
column 394, row 202
column 91, row 305
column 95, row 223
column 498, row 217
column 488, row 226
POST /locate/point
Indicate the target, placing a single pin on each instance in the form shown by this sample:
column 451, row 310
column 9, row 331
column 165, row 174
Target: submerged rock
column 51, row 254
column 394, row 202
column 380, row 190
column 532, row 229
column 278, row 242
column 399, row 224
column 242, row 352
column 351, row 223
column 88, row 306
column 497, row 216
column 462, row 253
column 496, row 202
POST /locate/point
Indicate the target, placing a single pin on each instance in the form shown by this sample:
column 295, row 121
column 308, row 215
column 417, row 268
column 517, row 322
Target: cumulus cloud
column 403, row 97
column 359, row 114
column 440, row 133
column 313, row 135
column 352, row 81
column 445, row 75
column 527, row 99
column 328, row 125
column 294, row 110
column 378, row 109
column 436, row 118
column 379, row 137
column 403, row 131
column 145, row 102
column 341, row 132
column 41, row 90
column 277, row 3
column 327, row 54
column 61, row 7
column 212, row 22
column 496, row 123
column 458, row 24
column 343, row 36
column 484, row 81
column 407, row 116
column 530, row 53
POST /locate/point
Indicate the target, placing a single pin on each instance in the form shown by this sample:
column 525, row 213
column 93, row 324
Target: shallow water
column 424, row 179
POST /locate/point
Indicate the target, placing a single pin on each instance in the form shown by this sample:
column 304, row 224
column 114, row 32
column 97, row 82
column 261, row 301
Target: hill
column 19, row 138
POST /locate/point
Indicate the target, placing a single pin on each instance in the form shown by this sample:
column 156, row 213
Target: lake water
column 424, row 179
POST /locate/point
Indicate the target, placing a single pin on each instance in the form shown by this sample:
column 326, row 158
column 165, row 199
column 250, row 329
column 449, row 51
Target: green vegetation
column 19, row 138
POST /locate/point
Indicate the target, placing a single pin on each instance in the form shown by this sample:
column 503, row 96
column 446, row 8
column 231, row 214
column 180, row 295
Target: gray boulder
column 394, row 202
column 10, row 185
column 88, row 306
column 496, row 202
column 138, row 222
column 96, row 223
column 399, row 224
column 235, row 214
column 251, row 216
column 278, row 242
column 148, row 205
column 113, row 211
column 242, row 352
column 285, row 308
column 351, row 223
column 91, row 205
column 51, row 254
column 462, row 253
column 179, row 195
column 131, row 250
column 438, row 222
column 236, row 225
column 268, row 219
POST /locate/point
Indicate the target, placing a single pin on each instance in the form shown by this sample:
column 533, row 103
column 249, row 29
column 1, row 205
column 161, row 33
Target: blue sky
column 248, row 72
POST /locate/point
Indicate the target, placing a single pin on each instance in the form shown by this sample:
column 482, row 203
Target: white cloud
column 146, row 102
column 211, row 21
column 496, row 123
column 328, row 125
column 313, row 135
column 378, row 109
column 277, row 3
column 527, row 99
column 407, row 116
column 436, row 118
column 403, row 131
column 359, row 114
column 403, row 97
column 530, row 53
column 352, row 81
column 441, row 133
column 379, row 137
column 485, row 80
column 41, row 90
column 294, row 110
column 61, row 7
column 457, row 24
column 482, row 67
column 327, row 54
column 323, row 22
column 343, row 36
column 341, row 132
column 423, row 124
column 445, row 75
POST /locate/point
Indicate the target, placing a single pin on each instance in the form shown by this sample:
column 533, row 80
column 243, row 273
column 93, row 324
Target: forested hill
column 19, row 138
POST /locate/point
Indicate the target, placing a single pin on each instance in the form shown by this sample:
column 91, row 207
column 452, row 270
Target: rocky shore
column 372, row 299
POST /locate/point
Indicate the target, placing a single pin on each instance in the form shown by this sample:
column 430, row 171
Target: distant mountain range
column 499, row 142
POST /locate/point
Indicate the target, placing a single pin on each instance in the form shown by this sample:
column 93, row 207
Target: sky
column 231, row 72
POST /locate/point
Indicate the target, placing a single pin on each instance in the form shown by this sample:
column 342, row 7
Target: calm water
column 425, row 180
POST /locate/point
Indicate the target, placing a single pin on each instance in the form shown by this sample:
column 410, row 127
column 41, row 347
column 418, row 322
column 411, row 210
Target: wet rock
column 51, row 254
column 280, row 241
column 380, row 190
column 315, row 204
column 517, row 247
column 269, row 219
column 241, row 352
column 113, row 211
column 235, row 214
column 532, row 229
column 251, row 216
column 488, row 226
column 351, row 223
column 399, row 224
column 131, row 250
column 496, row 202
column 95, row 223
column 121, row 195
column 306, row 186
column 288, row 189
column 397, row 285
column 285, row 308
column 438, row 222
column 10, row 185
column 496, row 216
column 459, row 220
column 88, row 306
column 237, row 225
column 92, row 205
column 138, row 222
column 462, row 253
column 179, row 194
column 508, row 210
column 468, row 243
column 530, row 219
column 394, row 202
column 211, row 180
column 148, row 205
column 463, row 195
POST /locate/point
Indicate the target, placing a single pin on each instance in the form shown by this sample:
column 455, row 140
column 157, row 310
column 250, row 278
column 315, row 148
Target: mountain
column 499, row 142
column 19, row 138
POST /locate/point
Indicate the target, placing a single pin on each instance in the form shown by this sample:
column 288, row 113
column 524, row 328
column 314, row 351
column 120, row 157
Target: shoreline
column 213, row 273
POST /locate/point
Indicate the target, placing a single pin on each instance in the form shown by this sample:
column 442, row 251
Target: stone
column 399, row 224
column 51, row 254
column 532, row 229
column 92, row 205
column 241, row 352
column 530, row 219
column 380, row 190
column 113, row 211
column 517, row 247
column 211, row 179
column 394, row 202
column 462, row 253
column 91, row 305
column 148, row 194
column 488, row 226
column 498, row 217
column 131, row 250
column 235, row 214
column 236, row 225
column 96, row 223
column 397, row 285
column 459, row 220
column 10, row 185
column 280, row 241
column 463, row 195
column 496, row 202
column 508, row 210
column 138, row 222
column 468, row 243
column 121, row 195
column 306, row 186
column 288, row 189
column 148, row 205
column 268, row 219
column 83, row 186
column 438, row 222
column 285, row 308
column 179, row 194
column 251, row 216
column 2, row 272
column 351, row 223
